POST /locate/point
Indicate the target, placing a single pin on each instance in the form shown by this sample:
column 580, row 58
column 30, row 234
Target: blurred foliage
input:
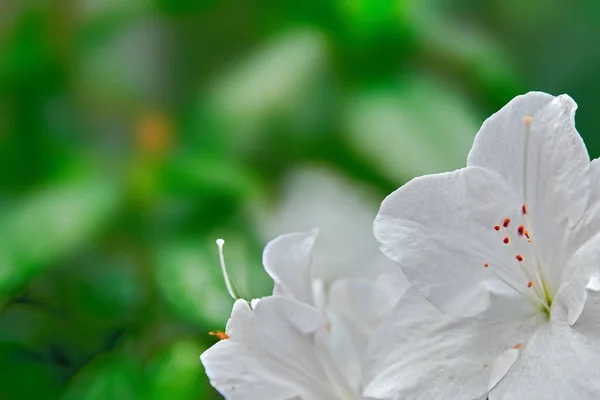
column 135, row 132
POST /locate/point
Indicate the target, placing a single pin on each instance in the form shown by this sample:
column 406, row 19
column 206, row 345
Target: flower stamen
column 528, row 274
column 219, row 334
column 228, row 283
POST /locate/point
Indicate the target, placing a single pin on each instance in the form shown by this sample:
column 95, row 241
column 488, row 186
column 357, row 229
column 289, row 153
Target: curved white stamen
column 228, row 283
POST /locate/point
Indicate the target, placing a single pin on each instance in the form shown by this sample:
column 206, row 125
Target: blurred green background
column 133, row 133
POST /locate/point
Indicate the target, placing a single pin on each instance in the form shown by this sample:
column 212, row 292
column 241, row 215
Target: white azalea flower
column 306, row 341
column 508, row 249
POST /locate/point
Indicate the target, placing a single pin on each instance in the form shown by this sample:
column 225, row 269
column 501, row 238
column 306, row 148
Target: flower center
column 523, row 272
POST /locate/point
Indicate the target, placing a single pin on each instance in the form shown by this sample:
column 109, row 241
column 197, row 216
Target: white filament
column 228, row 283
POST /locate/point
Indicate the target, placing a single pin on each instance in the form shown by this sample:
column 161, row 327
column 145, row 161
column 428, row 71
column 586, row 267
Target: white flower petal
column 239, row 375
column 440, row 229
column 578, row 279
column 287, row 259
column 421, row 353
column 347, row 346
column 499, row 144
column 589, row 226
column 533, row 144
column 589, row 321
column 356, row 309
column 275, row 349
column 365, row 302
column 558, row 362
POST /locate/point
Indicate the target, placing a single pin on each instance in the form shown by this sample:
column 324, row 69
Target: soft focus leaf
column 176, row 374
column 285, row 80
column 112, row 376
column 30, row 327
column 273, row 78
column 413, row 127
column 128, row 69
column 372, row 17
column 39, row 230
column 26, row 376
column 25, row 50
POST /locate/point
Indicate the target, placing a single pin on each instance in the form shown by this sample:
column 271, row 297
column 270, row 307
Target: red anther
column 521, row 230
column 524, row 209
column 506, row 240
column 529, row 284
column 486, row 265
column 519, row 257
column 506, row 222
column 497, row 227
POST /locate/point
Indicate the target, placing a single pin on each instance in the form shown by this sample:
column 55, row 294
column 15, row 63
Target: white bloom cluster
column 503, row 258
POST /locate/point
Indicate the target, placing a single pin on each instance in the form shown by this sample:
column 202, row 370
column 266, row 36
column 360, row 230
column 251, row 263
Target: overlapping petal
column 274, row 347
column 239, row 375
column 439, row 228
column 287, row 259
column 356, row 308
column 422, row 353
column 558, row 362
column 301, row 342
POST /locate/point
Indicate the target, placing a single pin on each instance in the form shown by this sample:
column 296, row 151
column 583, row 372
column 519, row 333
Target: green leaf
column 30, row 327
column 123, row 73
column 284, row 81
column 112, row 376
column 176, row 372
column 27, row 377
column 212, row 176
column 368, row 18
column 25, row 48
column 50, row 224
column 411, row 127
